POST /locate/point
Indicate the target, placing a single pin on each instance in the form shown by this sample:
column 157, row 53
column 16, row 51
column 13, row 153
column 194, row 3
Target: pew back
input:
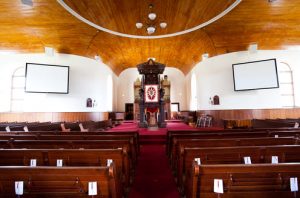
column 244, row 181
column 58, row 182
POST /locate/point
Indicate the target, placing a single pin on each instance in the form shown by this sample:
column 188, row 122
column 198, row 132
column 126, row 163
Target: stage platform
column 155, row 135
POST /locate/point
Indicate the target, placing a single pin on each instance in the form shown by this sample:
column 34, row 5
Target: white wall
column 214, row 77
column 88, row 79
column 128, row 76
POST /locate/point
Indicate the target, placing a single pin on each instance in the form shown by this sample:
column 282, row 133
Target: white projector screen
column 255, row 75
column 41, row 78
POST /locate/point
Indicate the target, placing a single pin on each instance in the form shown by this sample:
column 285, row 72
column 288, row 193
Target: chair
column 82, row 129
column 63, row 128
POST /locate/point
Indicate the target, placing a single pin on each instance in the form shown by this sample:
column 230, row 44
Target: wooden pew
column 234, row 155
column 58, row 182
column 278, row 123
column 134, row 135
column 134, row 145
column 55, row 126
column 70, row 157
column 184, row 143
column 72, row 144
column 243, row 181
column 210, row 135
column 225, row 134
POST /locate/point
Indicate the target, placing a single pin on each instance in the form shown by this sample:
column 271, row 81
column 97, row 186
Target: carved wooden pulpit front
column 152, row 95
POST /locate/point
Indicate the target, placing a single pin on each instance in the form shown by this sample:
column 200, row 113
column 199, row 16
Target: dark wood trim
column 246, row 114
column 53, row 116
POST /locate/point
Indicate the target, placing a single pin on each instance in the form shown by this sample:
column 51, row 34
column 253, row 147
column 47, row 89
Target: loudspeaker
column 98, row 58
column 205, row 56
column 49, row 51
column 253, row 48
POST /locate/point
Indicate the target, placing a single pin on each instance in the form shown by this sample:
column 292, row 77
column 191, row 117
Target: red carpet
column 153, row 176
column 131, row 126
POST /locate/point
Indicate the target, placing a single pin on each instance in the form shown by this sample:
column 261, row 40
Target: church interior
column 149, row 98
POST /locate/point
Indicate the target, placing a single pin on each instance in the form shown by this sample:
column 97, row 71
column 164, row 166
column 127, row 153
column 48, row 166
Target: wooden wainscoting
column 248, row 114
column 53, row 116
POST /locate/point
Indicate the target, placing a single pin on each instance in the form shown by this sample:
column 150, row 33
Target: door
column 129, row 111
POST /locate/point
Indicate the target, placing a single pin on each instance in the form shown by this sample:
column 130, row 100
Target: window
column 175, row 107
column 109, row 92
column 17, row 90
column 286, row 85
column 193, row 105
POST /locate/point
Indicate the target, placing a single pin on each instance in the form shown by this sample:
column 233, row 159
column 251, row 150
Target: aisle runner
column 153, row 176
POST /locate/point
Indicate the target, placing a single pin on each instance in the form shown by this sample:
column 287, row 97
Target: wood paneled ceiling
column 272, row 25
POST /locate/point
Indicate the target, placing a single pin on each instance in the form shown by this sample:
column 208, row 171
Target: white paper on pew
column 25, row 129
column 294, row 184
column 296, row 125
column 274, row 159
column 92, row 188
column 7, row 129
column 109, row 161
column 59, row 162
column 247, row 160
column 33, row 162
column 276, row 136
column 19, row 185
column 218, row 186
column 198, row 160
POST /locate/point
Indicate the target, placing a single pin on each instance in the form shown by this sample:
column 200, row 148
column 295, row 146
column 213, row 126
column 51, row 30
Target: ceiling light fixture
column 27, row 2
column 150, row 22
column 151, row 58
column 139, row 25
column 152, row 16
column 150, row 30
column 163, row 25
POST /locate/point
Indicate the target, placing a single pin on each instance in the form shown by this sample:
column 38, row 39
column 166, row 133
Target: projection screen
column 42, row 78
column 255, row 75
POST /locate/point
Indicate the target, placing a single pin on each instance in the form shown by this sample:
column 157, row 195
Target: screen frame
column 50, row 65
column 276, row 71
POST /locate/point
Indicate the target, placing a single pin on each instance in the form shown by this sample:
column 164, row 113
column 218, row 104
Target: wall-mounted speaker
column 253, row 48
column 49, row 51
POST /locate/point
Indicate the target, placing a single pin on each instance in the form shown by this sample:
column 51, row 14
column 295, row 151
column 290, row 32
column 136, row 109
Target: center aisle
column 153, row 178
column 153, row 175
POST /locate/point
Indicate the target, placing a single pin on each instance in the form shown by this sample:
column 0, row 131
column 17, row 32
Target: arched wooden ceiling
column 272, row 25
